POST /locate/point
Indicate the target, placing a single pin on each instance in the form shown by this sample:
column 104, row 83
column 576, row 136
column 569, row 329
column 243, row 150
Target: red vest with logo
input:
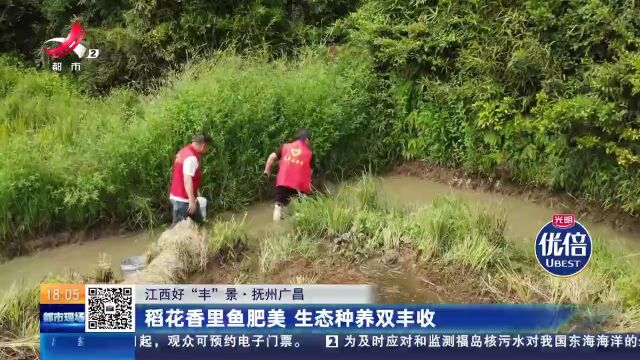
column 177, row 180
column 295, row 167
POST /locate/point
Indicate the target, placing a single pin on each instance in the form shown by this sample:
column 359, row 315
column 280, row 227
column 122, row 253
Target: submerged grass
column 103, row 272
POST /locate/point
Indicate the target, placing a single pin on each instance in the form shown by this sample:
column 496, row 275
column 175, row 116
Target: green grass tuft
column 227, row 239
column 275, row 252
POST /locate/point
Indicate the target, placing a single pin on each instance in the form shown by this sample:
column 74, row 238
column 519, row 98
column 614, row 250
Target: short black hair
column 201, row 138
column 303, row 134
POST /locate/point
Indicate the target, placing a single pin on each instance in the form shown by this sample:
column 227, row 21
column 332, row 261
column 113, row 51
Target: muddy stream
column 524, row 219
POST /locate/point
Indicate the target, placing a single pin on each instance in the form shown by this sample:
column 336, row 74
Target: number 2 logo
column 93, row 53
column 332, row 341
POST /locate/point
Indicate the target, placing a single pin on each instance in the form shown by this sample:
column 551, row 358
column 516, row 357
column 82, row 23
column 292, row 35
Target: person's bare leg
column 277, row 212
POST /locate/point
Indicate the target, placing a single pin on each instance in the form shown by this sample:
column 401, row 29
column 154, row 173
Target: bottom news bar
column 384, row 346
column 342, row 346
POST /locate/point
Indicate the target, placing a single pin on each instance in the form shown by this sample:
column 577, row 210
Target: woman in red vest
column 294, row 173
column 187, row 171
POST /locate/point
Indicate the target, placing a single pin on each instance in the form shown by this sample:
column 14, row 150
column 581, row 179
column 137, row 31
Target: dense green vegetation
column 542, row 92
column 70, row 161
column 546, row 91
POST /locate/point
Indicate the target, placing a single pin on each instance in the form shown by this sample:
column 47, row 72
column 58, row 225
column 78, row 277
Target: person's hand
column 192, row 207
column 266, row 174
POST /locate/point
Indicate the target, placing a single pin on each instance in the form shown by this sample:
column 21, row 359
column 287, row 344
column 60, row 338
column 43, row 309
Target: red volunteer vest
column 295, row 167
column 177, row 180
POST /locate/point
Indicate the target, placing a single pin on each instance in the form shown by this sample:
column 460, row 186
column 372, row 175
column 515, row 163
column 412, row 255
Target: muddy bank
column 62, row 238
column 398, row 280
column 502, row 184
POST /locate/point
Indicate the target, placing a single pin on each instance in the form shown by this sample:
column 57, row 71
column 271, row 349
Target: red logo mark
column 563, row 221
column 69, row 44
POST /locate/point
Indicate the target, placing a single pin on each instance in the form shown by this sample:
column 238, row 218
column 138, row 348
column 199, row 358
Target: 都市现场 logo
column 72, row 43
column 563, row 246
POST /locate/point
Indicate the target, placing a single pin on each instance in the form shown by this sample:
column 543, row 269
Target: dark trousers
column 181, row 212
column 285, row 194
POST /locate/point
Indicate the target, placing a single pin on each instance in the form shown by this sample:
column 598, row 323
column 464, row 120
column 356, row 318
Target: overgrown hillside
column 546, row 91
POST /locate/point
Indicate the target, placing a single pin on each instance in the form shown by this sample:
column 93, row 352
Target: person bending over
column 294, row 171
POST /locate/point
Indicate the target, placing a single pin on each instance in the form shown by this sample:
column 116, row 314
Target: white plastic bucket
column 131, row 265
column 203, row 206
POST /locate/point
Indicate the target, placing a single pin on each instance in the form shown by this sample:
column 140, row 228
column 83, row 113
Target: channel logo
column 563, row 246
column 72, row 43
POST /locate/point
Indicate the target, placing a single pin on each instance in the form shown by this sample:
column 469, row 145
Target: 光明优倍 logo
column 563, row 246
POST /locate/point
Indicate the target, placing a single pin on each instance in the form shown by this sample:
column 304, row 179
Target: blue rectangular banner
column 410, row 318
column 124, row 322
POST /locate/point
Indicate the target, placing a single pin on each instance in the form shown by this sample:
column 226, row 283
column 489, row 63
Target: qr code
column 110, row 308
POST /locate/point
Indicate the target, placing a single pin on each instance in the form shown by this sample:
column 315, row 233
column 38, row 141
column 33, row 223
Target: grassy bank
column 449, row 237
column 73, row 162
column 19, row 322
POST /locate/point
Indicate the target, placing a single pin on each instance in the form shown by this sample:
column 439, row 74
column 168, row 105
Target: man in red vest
column 294, row 173
column 187, row 171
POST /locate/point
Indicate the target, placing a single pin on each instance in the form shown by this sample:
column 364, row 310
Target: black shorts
column 284, row 194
